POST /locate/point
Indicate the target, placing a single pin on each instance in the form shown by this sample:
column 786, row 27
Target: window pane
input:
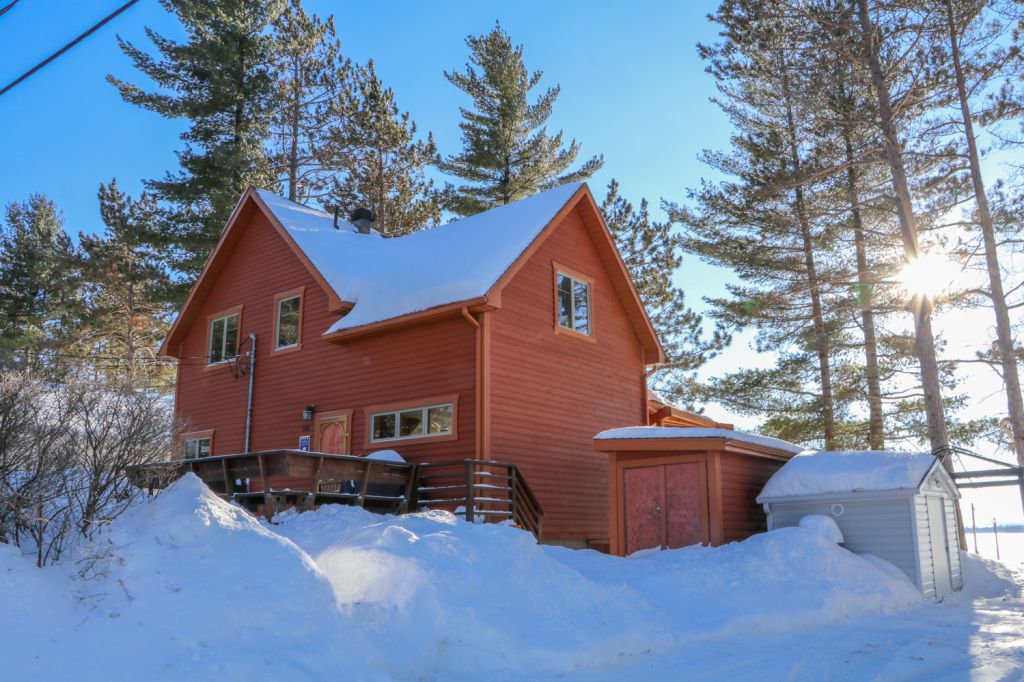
column 288, row 322
column 383, row 426
column 203, row 447
column 231, row 337
column 581, row 307
column 217, row 341
column 439, row 419
column 564, row 301
column 410, row 423
column 188, row 449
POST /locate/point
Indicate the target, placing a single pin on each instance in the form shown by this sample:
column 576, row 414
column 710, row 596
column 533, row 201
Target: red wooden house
column 513, row 335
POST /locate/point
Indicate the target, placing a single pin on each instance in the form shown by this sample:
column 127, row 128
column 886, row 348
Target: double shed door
column 665, row 505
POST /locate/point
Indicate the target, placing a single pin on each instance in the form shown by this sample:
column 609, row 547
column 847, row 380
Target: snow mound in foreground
column 825, row 526
column 188, row 586
column 986, row 578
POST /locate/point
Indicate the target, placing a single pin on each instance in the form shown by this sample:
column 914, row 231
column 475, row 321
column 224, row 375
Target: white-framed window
column 195, row 448
column 412, row 422
column 223, row 338
column 289, row 312
column 573, row 301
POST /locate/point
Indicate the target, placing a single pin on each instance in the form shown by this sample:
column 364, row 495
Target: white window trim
column 209, row 340
column 277, row 324
column 426, row 424
column 572, row 304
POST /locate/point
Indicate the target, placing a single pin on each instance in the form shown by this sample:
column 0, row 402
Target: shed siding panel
column 743, row 478
column 924, row 544
column 880, row 527
column 955, row 571
column 552, row 392
column 409, row 364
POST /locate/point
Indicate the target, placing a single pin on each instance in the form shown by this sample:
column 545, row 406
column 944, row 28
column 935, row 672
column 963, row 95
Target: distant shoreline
column 1014, row 528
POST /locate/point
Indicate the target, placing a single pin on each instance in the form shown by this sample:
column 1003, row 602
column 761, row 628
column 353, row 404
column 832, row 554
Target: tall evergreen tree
column 220, row 79
column 126, row 283
column 39, row 284
column 311, row 76
column 507, row 153
column 652, row 254
column 385, row 162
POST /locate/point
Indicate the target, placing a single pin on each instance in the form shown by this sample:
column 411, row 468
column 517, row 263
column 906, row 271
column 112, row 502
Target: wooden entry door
column 665, row 506
column 332, row 434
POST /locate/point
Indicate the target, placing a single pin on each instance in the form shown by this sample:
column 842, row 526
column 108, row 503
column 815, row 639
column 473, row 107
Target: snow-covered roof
column 831, row 472
column 631, row 432
column 389, row 278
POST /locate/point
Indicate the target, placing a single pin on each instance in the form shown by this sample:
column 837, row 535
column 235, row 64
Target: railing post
column 470, row 492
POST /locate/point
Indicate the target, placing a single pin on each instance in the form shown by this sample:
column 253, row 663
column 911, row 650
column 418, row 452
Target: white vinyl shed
column 900, row 507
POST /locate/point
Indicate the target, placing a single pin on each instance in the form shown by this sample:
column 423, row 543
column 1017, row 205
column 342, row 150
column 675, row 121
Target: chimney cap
column 363, row 218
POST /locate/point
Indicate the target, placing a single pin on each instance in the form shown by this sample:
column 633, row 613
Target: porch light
column 307, row 414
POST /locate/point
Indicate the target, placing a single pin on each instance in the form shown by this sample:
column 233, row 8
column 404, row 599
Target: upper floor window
column 416, row 422
column 195, row 448
column 573, row 303
column 288, row 318
column 223, row 338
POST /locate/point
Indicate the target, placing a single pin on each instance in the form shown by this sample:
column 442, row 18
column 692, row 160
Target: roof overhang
column 722, row 444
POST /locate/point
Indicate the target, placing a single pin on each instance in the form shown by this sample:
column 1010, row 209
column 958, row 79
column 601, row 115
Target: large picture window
column 573, row 302
column 412, row 422
column 288, row 320
column 223, row 338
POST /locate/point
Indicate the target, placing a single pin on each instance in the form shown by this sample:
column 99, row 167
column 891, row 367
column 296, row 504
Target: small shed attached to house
column 900, row 507
column 677, row 486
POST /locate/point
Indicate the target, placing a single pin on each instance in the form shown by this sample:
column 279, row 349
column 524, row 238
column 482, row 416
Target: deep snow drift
column 188, row 586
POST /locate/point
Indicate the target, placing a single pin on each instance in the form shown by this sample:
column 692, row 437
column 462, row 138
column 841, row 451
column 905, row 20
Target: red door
column 664, row 506
column 645, row 499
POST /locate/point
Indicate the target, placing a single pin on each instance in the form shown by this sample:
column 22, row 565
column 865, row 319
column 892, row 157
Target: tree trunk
column 293, row 151
column 876, row 424
column 1004, row 333
column 813, row 282
column 921, row 306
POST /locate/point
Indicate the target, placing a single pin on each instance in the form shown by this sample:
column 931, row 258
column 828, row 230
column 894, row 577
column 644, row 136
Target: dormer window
column 572, row 303
column 223, row 338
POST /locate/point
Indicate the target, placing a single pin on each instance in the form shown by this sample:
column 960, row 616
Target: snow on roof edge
column 670, row 432
column 818, row 473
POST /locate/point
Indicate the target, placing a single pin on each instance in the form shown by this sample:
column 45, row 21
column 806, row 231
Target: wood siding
column 549, row 393
column 742, row 479
column 410, row 364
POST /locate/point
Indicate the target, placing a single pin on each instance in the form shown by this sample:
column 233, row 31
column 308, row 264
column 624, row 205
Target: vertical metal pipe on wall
column 252, row 374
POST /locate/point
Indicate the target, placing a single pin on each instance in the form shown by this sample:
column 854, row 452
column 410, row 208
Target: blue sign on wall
column 304, row 443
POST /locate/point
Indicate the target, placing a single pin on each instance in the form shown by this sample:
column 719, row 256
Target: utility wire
column 3, row 10
column 67, row 47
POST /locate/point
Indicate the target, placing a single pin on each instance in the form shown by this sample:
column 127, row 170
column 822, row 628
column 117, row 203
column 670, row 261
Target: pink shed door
column 644, row 499
column 684, row 517
column 664, row 506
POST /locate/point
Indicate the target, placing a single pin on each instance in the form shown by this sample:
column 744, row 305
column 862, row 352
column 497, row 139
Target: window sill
column 435, row 438
column 565, row 331
column 217, row 365
column 288, row 349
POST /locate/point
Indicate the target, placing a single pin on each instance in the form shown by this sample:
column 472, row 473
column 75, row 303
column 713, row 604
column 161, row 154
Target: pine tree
column 126, row 285
column 385, row 164
column 220, row 80
column 311, row 76
column 651, row 252
column 39, row 285
column 507, row 153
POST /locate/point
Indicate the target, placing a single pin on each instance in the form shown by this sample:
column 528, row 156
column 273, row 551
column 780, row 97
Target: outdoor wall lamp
column 307, row 414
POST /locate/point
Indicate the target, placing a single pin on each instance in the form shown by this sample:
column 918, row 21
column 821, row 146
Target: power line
column 67, row 47
column 3, row 10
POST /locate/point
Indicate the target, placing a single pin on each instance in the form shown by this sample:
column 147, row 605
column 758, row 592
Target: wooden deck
column 271, row 481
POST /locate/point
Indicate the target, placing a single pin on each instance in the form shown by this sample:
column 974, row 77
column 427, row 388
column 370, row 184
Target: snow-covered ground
column 1011, row 547
column 188, row 587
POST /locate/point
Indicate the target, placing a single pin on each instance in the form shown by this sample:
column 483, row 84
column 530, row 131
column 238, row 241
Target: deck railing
column 480, row 490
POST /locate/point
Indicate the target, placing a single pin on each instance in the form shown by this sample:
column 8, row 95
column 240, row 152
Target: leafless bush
column 67, row 453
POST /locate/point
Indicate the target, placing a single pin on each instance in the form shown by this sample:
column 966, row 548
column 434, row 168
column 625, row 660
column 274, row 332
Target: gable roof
column 813, row 473
column 373, row 281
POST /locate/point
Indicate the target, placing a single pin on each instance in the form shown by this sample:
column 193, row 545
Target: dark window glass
column 288, row 322
column 195, row 447
column 439, row 419
column 565, row 301
column 217, row 341
column 231, row 337
column 224, row 338
column 410, row 423
column 383, row 426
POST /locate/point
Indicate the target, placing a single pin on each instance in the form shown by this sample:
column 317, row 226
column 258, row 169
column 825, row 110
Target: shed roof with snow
column 690, row 432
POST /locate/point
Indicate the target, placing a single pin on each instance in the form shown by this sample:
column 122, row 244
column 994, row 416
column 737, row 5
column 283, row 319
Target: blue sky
column 633, row 89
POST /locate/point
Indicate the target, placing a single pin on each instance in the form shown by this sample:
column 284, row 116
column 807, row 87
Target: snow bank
column 825, row 526
column 986, row 578
column 825, row 472
column 696, row 432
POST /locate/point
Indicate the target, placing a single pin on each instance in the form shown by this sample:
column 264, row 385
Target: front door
column 332, row 434
column 940, row 545
column 665, row 506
